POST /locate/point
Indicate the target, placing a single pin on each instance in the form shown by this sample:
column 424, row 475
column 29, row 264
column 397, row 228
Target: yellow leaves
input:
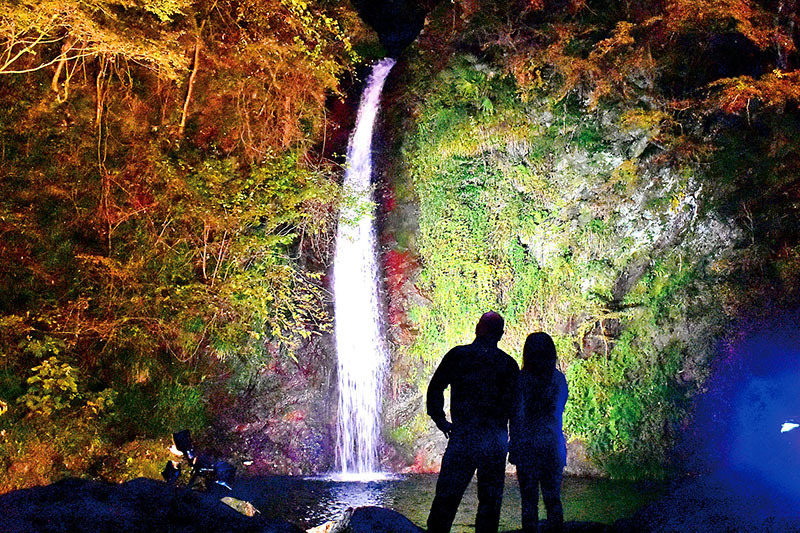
column 106, row 266
column 100, row 402
column 636, row 119
column 86, row 30
column 677, row 201
column 626, row 175
column 773, row 90
column 52, row 387
column 165, row 10
column 620, row 37
column 745, row 16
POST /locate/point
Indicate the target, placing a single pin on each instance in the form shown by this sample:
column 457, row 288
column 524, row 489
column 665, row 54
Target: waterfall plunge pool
column 309, row 502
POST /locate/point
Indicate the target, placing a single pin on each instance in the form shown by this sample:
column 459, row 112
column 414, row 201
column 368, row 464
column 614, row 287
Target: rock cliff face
column 284, row 422
column 632, row 236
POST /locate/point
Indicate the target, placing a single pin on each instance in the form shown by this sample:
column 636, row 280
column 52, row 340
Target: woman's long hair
column 538, row 365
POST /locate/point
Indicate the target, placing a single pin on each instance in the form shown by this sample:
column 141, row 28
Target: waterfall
column 361, row 349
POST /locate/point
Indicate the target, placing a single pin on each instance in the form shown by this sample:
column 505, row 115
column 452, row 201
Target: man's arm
column 510, row 394
column 512, row 401
column 515, row 427
column 435, row 396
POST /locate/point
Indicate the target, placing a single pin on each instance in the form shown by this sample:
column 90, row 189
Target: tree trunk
column 192, row 76
column 62, row 63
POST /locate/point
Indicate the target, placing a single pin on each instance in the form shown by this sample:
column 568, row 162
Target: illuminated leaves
column 665, row 51
column 773, row 90
column 720, row 16
column 53, row 386
column 86, row 30
column 166, row 10
column 200, row 241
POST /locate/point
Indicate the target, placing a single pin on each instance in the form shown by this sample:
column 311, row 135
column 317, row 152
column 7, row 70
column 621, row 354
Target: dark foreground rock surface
column 707, row 504
column 373, row 520
column 77, row 505
column 381, row 520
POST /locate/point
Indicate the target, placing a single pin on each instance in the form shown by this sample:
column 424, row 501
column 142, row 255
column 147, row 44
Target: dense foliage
column 608, row 172
column 164, row 217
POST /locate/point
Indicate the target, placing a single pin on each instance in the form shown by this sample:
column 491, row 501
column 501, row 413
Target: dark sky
column 398, row 22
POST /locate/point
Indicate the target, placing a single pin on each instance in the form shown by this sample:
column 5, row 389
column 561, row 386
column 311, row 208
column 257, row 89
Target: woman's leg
column 529, row 493
column 551, row 494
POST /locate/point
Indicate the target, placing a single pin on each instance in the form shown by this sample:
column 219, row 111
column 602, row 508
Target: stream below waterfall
column 310, row 502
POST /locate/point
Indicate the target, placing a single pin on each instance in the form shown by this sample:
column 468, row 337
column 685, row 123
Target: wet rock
column 374, row 520
column 246, row 508
column 77, row 505
column 327, row 527
column 283, row 423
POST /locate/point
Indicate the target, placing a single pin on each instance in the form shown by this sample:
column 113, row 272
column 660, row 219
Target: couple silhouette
column 497, row 410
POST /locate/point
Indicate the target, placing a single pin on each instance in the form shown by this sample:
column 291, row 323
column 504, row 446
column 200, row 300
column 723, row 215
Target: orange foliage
column 640, row 46
column 773, row 90
column 743, row 16
column 603, row 73
column 266, row 72
column 536, row 4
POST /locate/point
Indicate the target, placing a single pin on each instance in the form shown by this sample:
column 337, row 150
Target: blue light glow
column 745, row 422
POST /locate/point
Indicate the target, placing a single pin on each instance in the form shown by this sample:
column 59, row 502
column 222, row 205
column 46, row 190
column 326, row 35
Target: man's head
column 490, row 327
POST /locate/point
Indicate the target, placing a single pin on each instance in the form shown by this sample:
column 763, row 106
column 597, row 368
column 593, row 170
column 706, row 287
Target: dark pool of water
column 310, row 502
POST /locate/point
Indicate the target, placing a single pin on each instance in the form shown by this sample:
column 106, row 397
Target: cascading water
column 361, row 350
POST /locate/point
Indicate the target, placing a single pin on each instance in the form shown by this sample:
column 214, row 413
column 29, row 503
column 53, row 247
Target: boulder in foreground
column 77, row 505
column 381, row 520
column 371, row 519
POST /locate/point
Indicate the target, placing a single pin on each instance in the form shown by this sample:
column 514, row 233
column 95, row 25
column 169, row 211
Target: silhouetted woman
column 537, row 443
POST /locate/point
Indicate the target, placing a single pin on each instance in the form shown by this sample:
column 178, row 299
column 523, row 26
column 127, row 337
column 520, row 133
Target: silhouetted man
column 483, row 388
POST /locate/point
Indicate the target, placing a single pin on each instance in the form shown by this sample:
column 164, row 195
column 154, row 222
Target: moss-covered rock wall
column 631, row 230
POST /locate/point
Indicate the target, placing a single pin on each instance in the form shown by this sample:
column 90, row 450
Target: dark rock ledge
column 78, row 505
column 75, row 505
column 381, row 520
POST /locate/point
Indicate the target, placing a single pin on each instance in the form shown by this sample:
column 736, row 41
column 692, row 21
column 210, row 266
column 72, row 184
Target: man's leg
column 491, row 478
column 529, row 494
column 455, row 475
column 551, row 494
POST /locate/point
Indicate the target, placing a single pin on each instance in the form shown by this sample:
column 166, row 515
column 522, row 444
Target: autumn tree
column 165, row 220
